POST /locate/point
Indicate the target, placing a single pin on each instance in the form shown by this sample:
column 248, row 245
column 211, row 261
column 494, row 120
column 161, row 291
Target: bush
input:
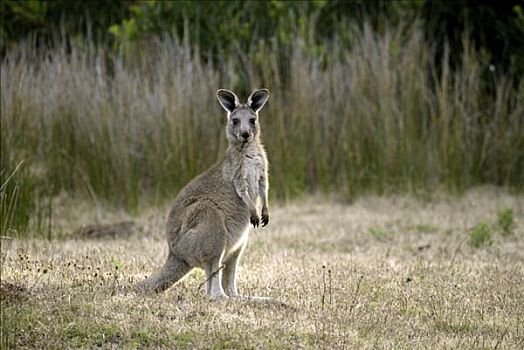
column 505, row 221
column 480, row 235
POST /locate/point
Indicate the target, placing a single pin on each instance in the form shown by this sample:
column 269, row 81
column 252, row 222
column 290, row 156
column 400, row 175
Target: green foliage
column 220, row 26
column 495, row 28
column 480, row 235
column 228, row 28
column 505, row 221
column 115, row 263
column 519, row 16
column 45, row 21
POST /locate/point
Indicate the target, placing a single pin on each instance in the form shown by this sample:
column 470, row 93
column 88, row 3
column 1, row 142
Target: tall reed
column 376, row 115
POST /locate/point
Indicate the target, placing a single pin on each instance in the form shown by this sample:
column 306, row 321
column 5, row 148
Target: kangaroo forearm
column 244, row 195
column 263, row 192
column 249, row 202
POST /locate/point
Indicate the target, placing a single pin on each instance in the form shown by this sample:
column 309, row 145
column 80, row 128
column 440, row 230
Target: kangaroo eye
column 235, row 121
column 252, row 121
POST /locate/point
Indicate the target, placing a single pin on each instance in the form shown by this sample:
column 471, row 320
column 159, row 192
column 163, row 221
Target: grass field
column 382, row 272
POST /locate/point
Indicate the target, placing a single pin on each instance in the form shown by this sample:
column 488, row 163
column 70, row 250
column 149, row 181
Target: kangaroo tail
column 173, row 271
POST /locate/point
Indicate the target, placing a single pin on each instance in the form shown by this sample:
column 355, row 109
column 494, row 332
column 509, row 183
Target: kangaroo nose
column 245, row 135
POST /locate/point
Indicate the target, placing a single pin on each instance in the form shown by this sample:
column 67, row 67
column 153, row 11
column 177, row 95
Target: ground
column 381, row 272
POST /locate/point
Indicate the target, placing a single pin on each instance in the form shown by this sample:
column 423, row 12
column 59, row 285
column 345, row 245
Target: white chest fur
column 252, row 171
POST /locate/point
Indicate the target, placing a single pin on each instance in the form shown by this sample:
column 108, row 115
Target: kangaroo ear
column 258, row 99
column 228, row 100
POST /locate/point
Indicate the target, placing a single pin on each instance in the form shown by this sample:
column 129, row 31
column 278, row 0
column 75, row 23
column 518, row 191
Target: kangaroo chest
column 252, row 171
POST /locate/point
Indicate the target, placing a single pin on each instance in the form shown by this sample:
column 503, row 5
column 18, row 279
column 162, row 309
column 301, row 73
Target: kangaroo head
column 242, row 119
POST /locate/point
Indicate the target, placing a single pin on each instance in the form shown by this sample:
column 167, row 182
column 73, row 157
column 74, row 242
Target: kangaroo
column 208, row 225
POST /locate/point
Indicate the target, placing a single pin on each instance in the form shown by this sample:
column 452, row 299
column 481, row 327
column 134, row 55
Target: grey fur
column 208, row 225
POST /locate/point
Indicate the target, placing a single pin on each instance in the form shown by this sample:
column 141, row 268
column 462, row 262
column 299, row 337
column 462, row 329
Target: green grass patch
column 506, row 221
column 422, row 228
column 380, row 233
column 79, row 326
column 480, row 235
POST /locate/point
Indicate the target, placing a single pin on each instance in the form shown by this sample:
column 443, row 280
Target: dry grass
column 394, row 272
column 378, row 116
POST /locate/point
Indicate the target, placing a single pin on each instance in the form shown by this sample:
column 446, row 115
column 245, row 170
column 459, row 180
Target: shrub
column 505, row 221
column 480, row 235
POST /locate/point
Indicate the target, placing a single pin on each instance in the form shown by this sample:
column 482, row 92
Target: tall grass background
column 369, row 112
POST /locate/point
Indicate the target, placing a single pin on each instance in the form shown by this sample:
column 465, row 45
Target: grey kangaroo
column 208, row 225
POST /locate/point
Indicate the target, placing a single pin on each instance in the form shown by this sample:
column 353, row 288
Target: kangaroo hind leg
column 214, row 287
column 230, row 271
